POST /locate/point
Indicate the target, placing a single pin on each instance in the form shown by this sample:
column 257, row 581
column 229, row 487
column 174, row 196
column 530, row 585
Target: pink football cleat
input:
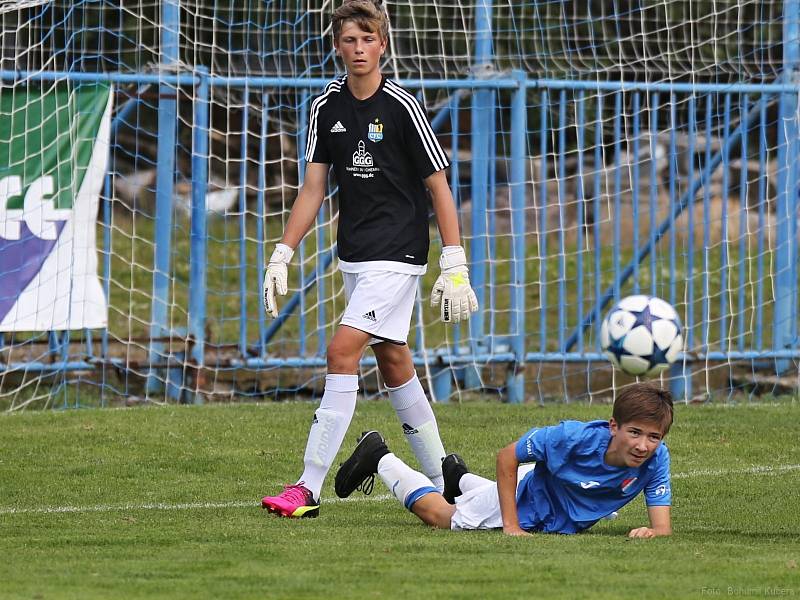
column 295, row 501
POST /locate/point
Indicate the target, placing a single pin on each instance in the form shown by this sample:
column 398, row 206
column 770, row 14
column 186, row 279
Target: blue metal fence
column 739, row 302
column 571, row 166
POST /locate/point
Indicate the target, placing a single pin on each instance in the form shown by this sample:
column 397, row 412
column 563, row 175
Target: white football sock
column 328, row 429
column 470, row 481
column 419, row 425
column 405, row 483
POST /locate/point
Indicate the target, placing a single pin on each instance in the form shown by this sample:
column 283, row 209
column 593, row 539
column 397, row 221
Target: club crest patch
column 375, row 133
column 626, row 485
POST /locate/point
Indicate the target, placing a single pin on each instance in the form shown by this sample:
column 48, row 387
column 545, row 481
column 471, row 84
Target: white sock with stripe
column 328, row 429
column 419, row 425
column 405, row 483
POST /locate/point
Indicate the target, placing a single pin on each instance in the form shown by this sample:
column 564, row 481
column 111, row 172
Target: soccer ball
column 642, row 335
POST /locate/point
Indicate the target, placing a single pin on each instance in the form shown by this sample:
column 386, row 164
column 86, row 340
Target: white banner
column 48, row 208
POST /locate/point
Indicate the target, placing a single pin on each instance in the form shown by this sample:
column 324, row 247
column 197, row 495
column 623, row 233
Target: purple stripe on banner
column 20, row 261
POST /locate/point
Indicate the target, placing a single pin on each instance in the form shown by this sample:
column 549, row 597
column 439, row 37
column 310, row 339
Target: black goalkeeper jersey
column 381, row 149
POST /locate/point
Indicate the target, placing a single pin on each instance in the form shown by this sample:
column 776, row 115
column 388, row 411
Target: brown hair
column 367, row 14
column 644, row 402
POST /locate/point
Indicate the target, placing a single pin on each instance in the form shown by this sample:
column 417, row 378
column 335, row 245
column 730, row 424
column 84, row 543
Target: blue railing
column 550, row 127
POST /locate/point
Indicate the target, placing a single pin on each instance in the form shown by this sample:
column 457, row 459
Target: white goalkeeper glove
column 276, row 278
column 452, row 288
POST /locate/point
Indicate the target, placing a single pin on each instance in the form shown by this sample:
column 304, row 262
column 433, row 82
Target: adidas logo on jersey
column 338, row 128
column 370, row 316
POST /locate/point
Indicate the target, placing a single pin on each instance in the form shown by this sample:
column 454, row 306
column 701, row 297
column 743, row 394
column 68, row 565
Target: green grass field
column 163, row 502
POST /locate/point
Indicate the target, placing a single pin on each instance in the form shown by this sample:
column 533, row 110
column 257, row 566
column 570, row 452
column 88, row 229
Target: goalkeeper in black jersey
column 387, row 162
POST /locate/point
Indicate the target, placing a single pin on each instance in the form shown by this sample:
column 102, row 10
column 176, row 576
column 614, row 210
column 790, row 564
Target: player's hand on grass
column 517, row 531
column 642, row 532
column 452, row 289
column 276, row 278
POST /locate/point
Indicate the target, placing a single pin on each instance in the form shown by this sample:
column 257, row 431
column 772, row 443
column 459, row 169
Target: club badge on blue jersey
column 375, row 133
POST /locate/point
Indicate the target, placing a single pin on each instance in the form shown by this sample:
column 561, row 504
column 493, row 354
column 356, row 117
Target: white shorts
column 480, row 508
column 380, row 303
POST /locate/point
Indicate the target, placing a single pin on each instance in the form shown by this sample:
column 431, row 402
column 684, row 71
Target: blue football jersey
column 572, row 487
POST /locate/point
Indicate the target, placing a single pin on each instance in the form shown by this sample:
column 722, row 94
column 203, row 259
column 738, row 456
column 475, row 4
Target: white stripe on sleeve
column 319, row 102
column 436, row 155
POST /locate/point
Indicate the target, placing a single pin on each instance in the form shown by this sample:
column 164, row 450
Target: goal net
column 659, row 158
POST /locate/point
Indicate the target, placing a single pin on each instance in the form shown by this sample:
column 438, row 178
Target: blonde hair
column 367, row 14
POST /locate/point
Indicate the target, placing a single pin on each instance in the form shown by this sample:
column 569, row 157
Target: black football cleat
column 358, row 471
column 453, row 468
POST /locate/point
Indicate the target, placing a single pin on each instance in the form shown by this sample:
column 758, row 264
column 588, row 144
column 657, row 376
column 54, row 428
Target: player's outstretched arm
column 660, row 523
column 304, row 211
column 452, row 289
column 507, row 465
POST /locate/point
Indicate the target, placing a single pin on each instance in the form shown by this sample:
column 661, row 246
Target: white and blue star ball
column 642, row 335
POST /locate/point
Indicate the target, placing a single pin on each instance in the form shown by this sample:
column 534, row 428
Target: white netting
column 601, row 168
column 15, row 5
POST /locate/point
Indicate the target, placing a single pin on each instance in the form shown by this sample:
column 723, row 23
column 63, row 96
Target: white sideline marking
column 47, row 510
column 757, row 470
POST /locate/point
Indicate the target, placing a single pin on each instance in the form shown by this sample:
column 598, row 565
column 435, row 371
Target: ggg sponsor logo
column 362, row 158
